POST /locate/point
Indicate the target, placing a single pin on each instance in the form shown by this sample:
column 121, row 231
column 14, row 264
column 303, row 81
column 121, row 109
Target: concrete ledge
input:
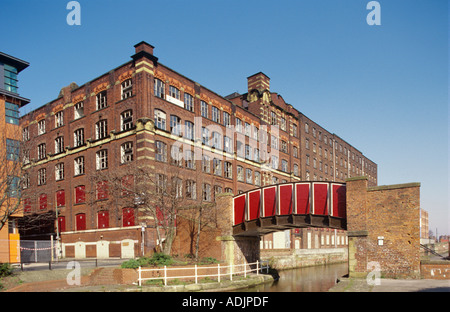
column 393, row 186
column 361, row 233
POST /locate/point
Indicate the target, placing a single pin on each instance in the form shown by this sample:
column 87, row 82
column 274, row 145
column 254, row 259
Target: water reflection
column 310, row 279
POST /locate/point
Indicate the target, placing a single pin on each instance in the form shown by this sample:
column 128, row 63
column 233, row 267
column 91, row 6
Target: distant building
column 10, row 141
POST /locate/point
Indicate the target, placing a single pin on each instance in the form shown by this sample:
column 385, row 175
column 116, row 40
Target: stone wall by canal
column 283, row 259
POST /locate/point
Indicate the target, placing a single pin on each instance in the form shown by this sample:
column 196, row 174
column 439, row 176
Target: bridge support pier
column 383, row 224
column 235, row 249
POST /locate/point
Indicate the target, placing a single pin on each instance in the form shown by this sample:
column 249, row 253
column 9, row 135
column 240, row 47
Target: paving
column 391, row 285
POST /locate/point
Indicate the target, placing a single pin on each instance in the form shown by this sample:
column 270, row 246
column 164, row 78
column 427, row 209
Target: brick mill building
column 136, row 113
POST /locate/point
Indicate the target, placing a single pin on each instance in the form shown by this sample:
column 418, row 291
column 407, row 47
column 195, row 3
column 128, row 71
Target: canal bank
column 284, row 259
column 391, row 285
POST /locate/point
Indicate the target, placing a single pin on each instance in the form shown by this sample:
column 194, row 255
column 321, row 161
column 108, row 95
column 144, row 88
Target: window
column 42, row 201
column 59, row 145
column 101, row 159
column 257, row 178
column 294, row 130
column 247, row 129
column 256, row 155
column 240, row 151
column 216, row 140
column 189, row 159
column 175, row 125
column 101, row 190
column 249, row 176
column 205, row 136
column 26, row 134
column 101, row 129
column 189, row 130
column 161, row 184
column 10, row 78
column 255, row 133
column 176, row 156
column 160, row 119
column 174, row 92
column 126, row 120
column 126, row 152
column 12, row 113
column 188, row 102
column 127, row 89
column 240, row 173
column 248, row 152
column 283, row 124
column 59, row 171
column 273, row 118
column 226, row 119
column 228, row 170
column 215, row 114
column 206, row 164
column 127, row 217
column 27, row 205
column 306, row 128
column 101, row 100
column 159, row 88
column 228, row 144
column 80, row 222
column 41, row 126
column 295, row 151
column 274, row 160
column 78, row 110
column 217, row 166
column 103, row 219
column 204, row 109
column 78, row 165
column 59, row 119
column 238, row 125
column 284, row 165
column 42, row 153
column 12, row 186
column 80, row 194
column 60, row 198
column 284, row 147
column 12, row 149
column 274, row 142
column 78, row 137
column 296, row 170
column 206, row 192
column 191, row 189
column 161, row 151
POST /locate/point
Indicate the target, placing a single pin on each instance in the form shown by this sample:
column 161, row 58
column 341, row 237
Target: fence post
column 139, row 280
column 257, row 267
column 195, row 274
column 231, row 272
column 218, row 271
column 165, row 275
column 245, row 270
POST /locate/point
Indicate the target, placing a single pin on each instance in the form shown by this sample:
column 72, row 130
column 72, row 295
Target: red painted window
column 80, row 221
column 27, row 205
column 43, row 202
column 60, row 198
column 80, row 194
column 61, row 224
column 102, row 190
column 103, row 219
column 128, row 217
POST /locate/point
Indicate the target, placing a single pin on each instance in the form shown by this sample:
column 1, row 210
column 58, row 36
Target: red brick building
column 145, row 112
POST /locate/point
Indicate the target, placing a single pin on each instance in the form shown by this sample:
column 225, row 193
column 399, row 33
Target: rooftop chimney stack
column 259, row 82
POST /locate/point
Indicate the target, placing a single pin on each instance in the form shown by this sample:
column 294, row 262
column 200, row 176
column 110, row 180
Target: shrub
column 160, row 259
column 5, row 269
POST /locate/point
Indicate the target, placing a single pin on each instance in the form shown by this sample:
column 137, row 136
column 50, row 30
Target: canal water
column 309, row 279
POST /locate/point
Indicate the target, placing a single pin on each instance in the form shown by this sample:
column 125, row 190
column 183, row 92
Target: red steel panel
column 285, row 197
column 270, row 204
column 320, row 199
column 339, row 201
column 239, row 209
column 253, row 204
column 302, row 195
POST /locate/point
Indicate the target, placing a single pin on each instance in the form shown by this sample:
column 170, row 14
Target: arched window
column 160, row 119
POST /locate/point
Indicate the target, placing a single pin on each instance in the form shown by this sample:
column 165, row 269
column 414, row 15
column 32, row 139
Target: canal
column 308, row 279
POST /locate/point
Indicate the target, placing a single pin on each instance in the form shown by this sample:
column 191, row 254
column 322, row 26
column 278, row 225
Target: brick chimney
column 259, row 82
column 144, row 46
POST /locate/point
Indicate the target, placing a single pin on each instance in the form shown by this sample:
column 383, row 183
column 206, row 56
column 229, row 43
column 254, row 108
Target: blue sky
column 383, row 89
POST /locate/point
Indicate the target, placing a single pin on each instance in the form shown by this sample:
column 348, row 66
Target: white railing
column 233, row 270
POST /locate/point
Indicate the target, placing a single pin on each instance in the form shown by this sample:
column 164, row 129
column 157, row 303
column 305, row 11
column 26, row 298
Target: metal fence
column 237, row 269
column 27, row 251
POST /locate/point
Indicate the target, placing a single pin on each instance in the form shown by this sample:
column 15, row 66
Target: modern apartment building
column 10, row 143
column 143, row 112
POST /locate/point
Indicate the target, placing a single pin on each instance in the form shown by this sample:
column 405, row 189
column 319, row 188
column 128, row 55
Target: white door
column 102, row 249
column 127, row 249
column 80, row 250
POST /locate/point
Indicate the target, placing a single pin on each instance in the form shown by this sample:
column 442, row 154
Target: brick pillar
column 357, row 226
column 235, row 250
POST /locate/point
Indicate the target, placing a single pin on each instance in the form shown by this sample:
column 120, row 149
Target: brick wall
column 383, row 225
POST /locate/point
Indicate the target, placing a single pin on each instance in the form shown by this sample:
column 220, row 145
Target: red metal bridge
column 290, row 205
